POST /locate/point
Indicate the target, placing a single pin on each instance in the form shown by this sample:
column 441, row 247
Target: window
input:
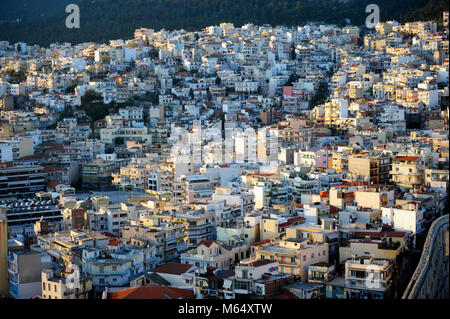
column 304, row 258
column 101, row 269
column 312, row 256
column 114, row 268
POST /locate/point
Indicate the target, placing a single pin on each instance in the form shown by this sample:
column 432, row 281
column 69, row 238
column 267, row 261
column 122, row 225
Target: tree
column 209, row 95
column 105, row 59
column 119, row 140
column 191, row 94
column 292, row 79
column 91, row 95
column 293, row 54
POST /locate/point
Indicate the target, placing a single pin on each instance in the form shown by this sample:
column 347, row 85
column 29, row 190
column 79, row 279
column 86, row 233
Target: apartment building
column 407, row 171
column 24, row 268
column 65, row 283
column 117, row 265
column 247, row 274
column 436, row 179
column 239, row 230
column 97, row 174
column 200, row 225
column 407, row 217
column 270, row 192
column 294, row 255
column 21, row 179
column 109, row 134
column 4, row 284
column 369, row 168
column 368, row 278
column 198, row 188
column 368, row 247
column 211, row 253
column 169, row 238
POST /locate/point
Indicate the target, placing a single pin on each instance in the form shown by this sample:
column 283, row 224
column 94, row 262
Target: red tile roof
column 207, row 243
column 288, row 295
column 406, row 158
column 262, row 242
column 52, row 184
column 152, row 292
column 172, row 268
column 114, row 242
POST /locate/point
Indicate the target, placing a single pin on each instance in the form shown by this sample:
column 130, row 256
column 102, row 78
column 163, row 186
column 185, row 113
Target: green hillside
column 102, row 20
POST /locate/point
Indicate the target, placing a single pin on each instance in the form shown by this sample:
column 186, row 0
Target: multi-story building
column 97, row 174
column 211, row 253
column 437, row 179
column 367, row 247
column 269, row 192
column 24, row 269
column 293, row 255
column 17, row 179
column 200, row 225
column 117, row 265
column 169, row 237
column 108, row 135
column 65, row 283
column 369, row 168
column 407, row 171
column 407, row 217
column 247, row 274
column 198, row 188
column 368, row 278
column 4, row 284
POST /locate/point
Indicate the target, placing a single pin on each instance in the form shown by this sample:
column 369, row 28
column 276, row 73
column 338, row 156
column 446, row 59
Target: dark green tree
column 119, row 141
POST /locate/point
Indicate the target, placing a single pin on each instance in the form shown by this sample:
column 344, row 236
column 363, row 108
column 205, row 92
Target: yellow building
column 407, row 171
column 339, row 162
column 294, row 255
column 369, row 168
column 370, row 248
column 4, row 284
column 59, row 285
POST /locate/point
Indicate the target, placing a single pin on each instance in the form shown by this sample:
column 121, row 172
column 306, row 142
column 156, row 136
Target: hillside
column 102, row 20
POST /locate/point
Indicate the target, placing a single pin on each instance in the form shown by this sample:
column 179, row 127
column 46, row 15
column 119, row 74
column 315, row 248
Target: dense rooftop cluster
column 230, row 162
